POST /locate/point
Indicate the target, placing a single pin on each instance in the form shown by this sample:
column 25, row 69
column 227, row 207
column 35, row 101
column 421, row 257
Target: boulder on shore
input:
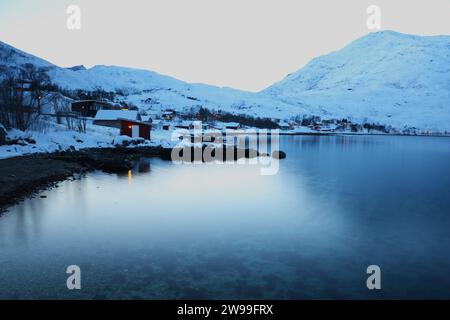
column 279, row 154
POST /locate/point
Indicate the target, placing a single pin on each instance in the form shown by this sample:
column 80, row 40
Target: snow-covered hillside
column 150, row 90
column 386, row 77
column 389, row 77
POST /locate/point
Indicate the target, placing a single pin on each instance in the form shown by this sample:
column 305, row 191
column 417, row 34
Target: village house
column 89, row 108
column 207, row 126
column 129, row 122
column 184, row 125
column 328, row 128
column 169, row 114
column 283, row 125
column 232, row 125
column 155, row 115
column 109, row 118
column 157, row 124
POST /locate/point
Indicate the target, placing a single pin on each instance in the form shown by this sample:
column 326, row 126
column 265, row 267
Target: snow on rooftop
column 116, row 114
column 232, row 124
column 146, row 118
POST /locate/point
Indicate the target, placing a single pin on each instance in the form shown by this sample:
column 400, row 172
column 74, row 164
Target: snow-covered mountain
column 148, row 89
column 386, row 77
column 389, row 77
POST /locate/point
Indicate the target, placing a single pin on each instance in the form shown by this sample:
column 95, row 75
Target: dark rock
column 279, row 154
column 30, row 140
column 166, row 153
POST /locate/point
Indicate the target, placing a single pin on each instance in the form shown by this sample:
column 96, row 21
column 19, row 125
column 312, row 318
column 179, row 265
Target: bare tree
column 60, row 105
column 20, row 96
column 37, row 81
column 14, row 113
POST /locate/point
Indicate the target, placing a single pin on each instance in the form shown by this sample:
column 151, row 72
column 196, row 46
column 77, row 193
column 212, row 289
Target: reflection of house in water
column 143, row 165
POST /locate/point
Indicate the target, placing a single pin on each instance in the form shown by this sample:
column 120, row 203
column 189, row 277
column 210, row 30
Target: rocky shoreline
column 21, row 177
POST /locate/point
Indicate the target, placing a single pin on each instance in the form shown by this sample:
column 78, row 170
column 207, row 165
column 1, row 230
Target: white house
column 112, row 118
column 283, row 125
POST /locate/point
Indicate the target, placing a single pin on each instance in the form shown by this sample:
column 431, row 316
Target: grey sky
column 246, row 44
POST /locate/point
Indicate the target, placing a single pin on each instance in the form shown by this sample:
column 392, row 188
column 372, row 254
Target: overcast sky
column 246, row 44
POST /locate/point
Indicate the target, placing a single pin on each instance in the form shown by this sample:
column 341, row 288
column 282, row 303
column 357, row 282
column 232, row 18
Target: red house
column 135, row 129
column 129, row 122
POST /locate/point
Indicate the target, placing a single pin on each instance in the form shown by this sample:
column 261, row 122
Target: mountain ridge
column 386, row 77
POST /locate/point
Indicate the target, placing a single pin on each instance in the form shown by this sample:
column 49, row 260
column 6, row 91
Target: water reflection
column 337, row 205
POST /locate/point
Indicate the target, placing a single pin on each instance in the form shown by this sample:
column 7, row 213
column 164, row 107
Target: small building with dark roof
column 89, row 108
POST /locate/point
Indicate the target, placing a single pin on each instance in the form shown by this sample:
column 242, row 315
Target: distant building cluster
column 138, row 124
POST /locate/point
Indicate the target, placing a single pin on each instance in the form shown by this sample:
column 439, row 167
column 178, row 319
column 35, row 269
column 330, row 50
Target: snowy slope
column 386, row 76
column 11, row 57
column 150, row 90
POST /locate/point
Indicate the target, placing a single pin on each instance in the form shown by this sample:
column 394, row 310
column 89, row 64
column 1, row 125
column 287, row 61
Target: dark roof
column 96, row 101
column 135, row 121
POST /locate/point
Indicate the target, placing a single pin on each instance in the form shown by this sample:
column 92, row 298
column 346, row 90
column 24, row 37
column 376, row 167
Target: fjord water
column 337, row 205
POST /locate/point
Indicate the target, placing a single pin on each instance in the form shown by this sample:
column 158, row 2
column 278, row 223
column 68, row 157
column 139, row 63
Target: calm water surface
column 337, row 205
